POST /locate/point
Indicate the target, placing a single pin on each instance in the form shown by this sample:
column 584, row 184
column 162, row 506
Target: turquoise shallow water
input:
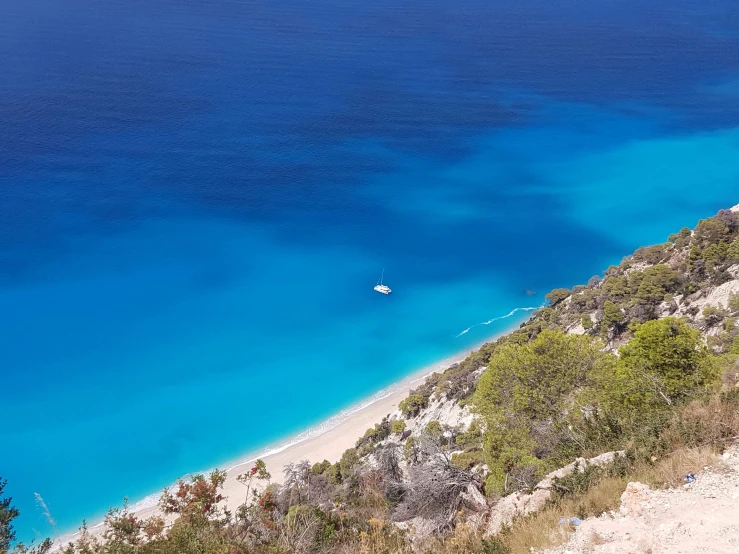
column 198, row 198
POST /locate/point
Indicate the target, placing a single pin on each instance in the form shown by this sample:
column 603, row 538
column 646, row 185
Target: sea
column 198, row 196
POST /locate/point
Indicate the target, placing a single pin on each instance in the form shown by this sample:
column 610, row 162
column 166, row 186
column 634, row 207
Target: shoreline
column 274, row 450
column 325, row 441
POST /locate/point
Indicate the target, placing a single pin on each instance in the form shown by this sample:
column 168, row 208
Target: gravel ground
column 699, row 517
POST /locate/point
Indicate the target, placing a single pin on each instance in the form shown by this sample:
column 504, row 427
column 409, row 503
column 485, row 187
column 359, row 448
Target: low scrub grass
column 543, row 530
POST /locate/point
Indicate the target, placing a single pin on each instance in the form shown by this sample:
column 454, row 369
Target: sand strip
column 327, row 441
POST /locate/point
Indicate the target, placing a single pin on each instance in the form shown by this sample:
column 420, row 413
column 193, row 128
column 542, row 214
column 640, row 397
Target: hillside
column 630, row 377
column 700, row 516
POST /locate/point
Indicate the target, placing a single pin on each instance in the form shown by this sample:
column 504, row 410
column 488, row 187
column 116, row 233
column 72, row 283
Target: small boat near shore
column 380, row 287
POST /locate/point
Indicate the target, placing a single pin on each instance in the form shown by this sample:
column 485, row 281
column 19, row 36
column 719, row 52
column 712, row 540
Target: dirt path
column 702, row 517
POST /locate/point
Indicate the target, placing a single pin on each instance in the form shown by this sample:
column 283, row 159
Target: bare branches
column 297, row 482
column 437, row 488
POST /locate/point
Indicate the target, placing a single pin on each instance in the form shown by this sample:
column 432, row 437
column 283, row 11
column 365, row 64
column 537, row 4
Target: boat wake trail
column 512, row 312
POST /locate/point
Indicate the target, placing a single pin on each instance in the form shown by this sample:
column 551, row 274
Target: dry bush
column 298, row 535
column 671, row 470
column 465, row 539
column 436, row 489
column 714, row 421
column 382, row 538
column 543, row 530
column 730, row 377
column 537, row 531
column 718, row 418
column 710, row 422
column 367, row 497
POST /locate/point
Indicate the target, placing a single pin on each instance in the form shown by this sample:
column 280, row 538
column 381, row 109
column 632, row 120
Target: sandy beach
column 326, row 441
column 315, row 444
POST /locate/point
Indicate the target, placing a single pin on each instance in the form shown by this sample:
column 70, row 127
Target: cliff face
column 694, row 276
column 503, row 512
column 630, row 377
column 702, row 291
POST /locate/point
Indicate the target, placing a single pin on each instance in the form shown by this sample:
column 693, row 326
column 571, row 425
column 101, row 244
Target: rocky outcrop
column 699, row 517
column 519, row 503
column 633, row 499
column 717, row 297
column 446, row 412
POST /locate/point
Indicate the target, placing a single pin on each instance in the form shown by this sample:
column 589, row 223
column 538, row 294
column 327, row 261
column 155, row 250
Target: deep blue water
column 198, row 196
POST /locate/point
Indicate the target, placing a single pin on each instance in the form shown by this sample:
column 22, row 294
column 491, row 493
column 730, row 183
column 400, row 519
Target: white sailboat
column 379, row 287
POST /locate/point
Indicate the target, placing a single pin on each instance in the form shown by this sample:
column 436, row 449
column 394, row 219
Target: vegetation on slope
column 562, row 396
column 635, row 361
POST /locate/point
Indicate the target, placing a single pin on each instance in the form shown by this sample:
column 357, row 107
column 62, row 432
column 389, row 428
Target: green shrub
column 653, row 283
column 613, row 317
column 582, row 479
column 681, row 239
column 522, row 397
column 664, row 363
column 398, row 427
column 320, row 468
column 587, row 322
column 733, row 303
column 712, row 315
column 650, row 254
column 434, row 429
column 557, row 295
column 411, row 406
column 411, row 450
column 468, row 460
column 710, row 231
column 333, row 474
column 472, row 437
column 8, row 513
column 494, row 545
column 732, row 253
column 735, row 346
column 349, row 460
column 374, row 435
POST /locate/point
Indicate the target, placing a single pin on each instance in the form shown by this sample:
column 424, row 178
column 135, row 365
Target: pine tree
column 7, row 514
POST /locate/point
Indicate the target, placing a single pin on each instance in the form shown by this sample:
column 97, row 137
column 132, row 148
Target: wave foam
column 509, row 314
column 315, row 431
column 334, row 420
column 152, row 500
